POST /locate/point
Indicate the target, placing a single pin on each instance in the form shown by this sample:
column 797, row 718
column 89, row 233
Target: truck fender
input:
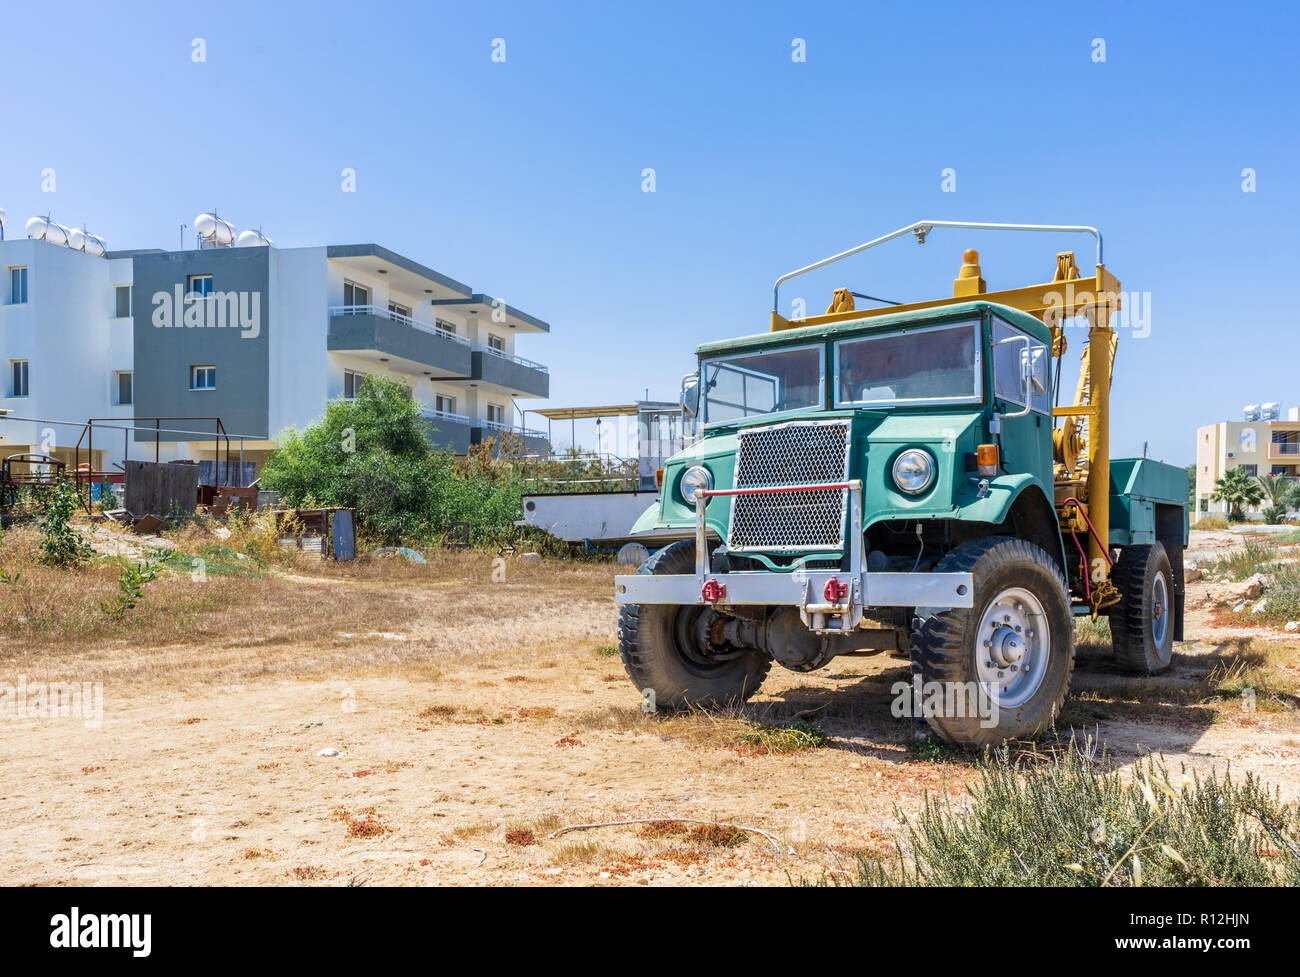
column 1017, row 504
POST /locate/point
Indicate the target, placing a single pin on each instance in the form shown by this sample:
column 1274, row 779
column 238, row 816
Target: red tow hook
column 835, row 592
column 713, row 591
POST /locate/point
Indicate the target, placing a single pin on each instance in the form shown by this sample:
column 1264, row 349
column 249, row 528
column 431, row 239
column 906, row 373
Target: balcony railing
column 503, row 355
column 523, row 432
column 406, row 320
column 1284, row 449
column 443, row 415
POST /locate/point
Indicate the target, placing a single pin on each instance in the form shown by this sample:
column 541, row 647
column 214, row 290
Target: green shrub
column 61, row 545
column 1080, row 822
column 373, row 454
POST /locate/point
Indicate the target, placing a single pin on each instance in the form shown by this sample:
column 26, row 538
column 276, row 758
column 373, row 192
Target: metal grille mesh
column 790, row 454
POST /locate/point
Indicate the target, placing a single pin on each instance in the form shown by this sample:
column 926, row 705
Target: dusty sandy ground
column 458, row 762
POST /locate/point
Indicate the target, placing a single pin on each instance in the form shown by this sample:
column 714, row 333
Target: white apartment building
column 257, row 337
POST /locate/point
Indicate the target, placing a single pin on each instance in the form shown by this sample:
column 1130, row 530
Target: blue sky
column 524, row 178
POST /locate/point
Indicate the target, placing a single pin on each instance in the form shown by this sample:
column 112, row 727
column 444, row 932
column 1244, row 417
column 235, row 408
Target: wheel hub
column 1013, row 646
column 1007, row 647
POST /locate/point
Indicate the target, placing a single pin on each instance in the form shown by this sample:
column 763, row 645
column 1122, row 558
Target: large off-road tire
column 660, row 651
column 1011, row 654
column 1142, row 624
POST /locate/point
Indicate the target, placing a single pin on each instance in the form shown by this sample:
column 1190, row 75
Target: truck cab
column 901, row 480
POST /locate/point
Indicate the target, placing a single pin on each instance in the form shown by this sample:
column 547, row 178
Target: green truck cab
column 900, row 480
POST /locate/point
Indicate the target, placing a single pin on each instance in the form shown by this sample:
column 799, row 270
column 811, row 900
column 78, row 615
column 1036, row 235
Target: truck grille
column 797, row 453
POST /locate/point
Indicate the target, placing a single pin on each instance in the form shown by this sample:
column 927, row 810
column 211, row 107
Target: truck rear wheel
column 1142, row 623
column 670, row 648
column 1003, row 666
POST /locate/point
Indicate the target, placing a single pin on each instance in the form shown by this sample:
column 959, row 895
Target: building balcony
column 520, row 376
column 371, row 330
column 447, row 430
column 533, row 442
column 1284, row 451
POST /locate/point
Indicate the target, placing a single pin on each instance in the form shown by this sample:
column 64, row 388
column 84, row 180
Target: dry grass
column 300, row 618
column 580, row 853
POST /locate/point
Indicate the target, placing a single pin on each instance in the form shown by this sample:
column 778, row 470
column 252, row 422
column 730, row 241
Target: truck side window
column 1012, row 359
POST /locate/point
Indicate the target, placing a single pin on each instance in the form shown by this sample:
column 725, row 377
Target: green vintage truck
column 903, row 479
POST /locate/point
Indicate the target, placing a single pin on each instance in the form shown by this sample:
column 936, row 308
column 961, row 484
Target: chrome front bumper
column 809, row 590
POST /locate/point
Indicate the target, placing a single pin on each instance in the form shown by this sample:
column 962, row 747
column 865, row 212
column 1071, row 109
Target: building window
column 352, row 384
column 124, row 392
column 18, row 381
column 18, row 285
column 1251, row 470
column 496, row 414
column 1205, row 505
column 123, row 301
column 203, row 378
column 442, row 325
column 355, row 294
column 496, row 343
column 444, row 405
column 395, row 308
column 200, row 285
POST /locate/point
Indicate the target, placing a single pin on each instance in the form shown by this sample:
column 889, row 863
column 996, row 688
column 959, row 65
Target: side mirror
column 690, row 395
column 1033, row 364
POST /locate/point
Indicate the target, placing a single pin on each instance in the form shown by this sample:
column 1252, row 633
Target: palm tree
column 1238, row 490
column 1276, row 488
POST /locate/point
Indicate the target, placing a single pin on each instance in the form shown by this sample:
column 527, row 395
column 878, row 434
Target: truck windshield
column 926, row 366
column 751, row 384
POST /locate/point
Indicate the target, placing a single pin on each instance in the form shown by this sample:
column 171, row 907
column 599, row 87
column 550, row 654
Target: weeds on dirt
column 795, row 737
column 934, row 750
column 1254, row 557
column 1081, row 822
column 1090, row 632
column 521, row 838
column 664, row 828
column 130, row 586
column 607, row 651
column 367, row 824
column 717, row 836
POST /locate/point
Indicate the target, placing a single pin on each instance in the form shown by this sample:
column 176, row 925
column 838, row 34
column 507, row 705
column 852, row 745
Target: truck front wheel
column 677, row 649
column 1000, row 669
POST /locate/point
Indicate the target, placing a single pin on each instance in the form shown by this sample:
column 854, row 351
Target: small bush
column 1211, row 522
column 130, row 586
column 61, row 545
column 1081, row 822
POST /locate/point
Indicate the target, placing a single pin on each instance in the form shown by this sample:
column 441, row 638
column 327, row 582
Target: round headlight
column 913, row 471
column 695, row 478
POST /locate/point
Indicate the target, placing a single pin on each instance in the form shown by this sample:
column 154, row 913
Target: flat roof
column 392, row 257
column 617, row 410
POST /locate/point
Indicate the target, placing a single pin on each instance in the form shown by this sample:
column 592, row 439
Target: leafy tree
column 373, row 454
column 1239, row 490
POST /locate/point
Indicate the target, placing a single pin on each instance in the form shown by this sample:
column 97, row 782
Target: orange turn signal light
column 659, row 478
column 986, row 457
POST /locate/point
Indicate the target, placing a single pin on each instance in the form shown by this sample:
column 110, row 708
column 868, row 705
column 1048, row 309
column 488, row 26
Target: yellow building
column 1262, row 442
